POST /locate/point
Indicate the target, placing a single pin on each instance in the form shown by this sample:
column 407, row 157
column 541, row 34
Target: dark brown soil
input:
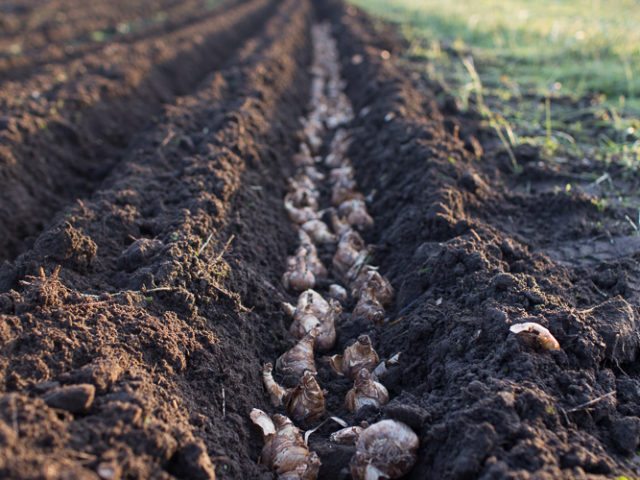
column 62, row 31
column 64, row 129
column 147, row 295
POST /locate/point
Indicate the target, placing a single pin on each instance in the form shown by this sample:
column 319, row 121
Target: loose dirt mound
column 134, row 326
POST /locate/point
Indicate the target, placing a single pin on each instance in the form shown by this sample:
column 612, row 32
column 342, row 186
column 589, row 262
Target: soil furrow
column 54, row 55
column 486, row 405
column 58, row 144
column 141, row 198
column 62, row 21
column 174, row 369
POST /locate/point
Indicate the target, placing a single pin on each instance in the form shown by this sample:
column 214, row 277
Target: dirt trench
column 156, row 298
column 63, row 130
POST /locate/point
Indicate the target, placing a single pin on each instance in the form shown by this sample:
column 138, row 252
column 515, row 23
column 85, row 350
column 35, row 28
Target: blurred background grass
column 526, row 55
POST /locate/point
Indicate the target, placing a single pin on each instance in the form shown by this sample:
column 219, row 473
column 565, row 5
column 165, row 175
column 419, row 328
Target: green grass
column 530, row 57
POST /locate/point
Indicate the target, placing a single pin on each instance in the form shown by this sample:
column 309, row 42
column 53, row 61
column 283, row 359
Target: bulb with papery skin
column 346, row 436
column 354, row 212
column 338, row 292
column 298, row 276
column 339, row 226
column 276, row 392
column 305, row 403
column 366, row 391
column 340, row 174
column 385, row 450
column 319, row 232
column 308, row 251
column 349, row 248
column 299, row 215
column 357, row 356
column 369, row 308
column 343, row 190
column 303, row 193
column 299, row 358
column 535, row 335
column 314, row 174
column 285, row 451
column 303, row 157
column 370, row 279
column 313, row 310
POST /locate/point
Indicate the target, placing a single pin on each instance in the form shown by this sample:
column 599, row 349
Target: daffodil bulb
column 385, row 450
column 285, row 451
column 357, row 356
column 366, row 391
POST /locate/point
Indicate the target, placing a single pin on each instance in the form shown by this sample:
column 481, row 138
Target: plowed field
column 144, row 238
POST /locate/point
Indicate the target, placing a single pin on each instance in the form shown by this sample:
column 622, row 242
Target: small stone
column 72, row 398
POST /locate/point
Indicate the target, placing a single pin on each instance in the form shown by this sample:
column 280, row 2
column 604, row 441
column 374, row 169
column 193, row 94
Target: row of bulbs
column 386, row 449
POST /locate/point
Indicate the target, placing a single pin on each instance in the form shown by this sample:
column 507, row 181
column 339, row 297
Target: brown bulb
column 305, row 402
column 338, row 292
column 360, row 355
column 319, row 232
column 299, row 358
column 298, row 276
column 369, row 308
column 308, row 252
column 303, row 157
column 350, row 247
column 366, row 391
column 343, row 190
column 313, row 310
column 339, row 226
column 285, row 451
column 276, row 392
column 535, row 335
column 370, row 279
column 354, row 212
column 346, row 436
column 385, row 450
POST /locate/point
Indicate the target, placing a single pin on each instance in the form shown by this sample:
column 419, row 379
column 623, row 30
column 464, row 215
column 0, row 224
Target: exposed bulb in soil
column 309, row 252
column 354, row 212
column 370, row 279
column 319, row 232
column 303, row 190
column 298, row 276
column 299, row 215
column 304, row 193
column 369, row 307
column 314, row 174
column 305, row 402
column 276, row 391
column 535, row 335
column 385, row 450
column 312, row 310
column 366, row 391
column 344, row 190
column 340, row 174
column 349, row 248
column 299, row 358
column 303, row 157
column 357, row 356
column 338, row 149
column 285, row 451
column 346, row 436
column 339, row 226
column 338, row 292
